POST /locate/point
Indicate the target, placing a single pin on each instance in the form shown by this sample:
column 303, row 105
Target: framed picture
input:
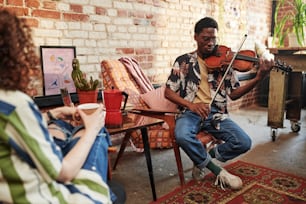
column 56, row 62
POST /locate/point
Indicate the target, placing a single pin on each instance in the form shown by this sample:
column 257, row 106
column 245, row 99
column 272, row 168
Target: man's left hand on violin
column 265, row 66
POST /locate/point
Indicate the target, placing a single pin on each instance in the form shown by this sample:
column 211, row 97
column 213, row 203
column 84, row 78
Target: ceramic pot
column 87, row 96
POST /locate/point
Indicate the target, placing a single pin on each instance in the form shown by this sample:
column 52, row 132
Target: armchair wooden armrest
column 153, row 112
column 167, row 116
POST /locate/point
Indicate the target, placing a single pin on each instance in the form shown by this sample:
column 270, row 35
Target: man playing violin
column 202, row 109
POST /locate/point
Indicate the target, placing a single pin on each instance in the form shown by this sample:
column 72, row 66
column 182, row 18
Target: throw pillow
column 155, row 99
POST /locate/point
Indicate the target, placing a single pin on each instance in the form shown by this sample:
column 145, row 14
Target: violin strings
column 227, row 69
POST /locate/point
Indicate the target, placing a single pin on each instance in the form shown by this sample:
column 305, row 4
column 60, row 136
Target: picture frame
column 56, row 62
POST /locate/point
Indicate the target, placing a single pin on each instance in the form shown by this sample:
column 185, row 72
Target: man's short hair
column 206, row 22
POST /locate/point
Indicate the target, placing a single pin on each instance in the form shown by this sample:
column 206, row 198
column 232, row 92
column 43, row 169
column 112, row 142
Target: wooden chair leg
column 170, row 120
column 179, row 163
column 109, row 168
column 205, row 138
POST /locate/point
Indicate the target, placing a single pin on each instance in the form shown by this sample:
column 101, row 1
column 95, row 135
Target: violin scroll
column 282, row 66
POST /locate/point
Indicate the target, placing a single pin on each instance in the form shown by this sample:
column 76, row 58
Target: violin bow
column 227, row 69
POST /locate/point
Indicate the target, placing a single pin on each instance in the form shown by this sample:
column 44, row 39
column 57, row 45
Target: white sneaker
column 225, row 179
column 198, row 174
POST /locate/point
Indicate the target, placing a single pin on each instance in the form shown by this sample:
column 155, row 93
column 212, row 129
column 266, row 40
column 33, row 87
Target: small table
column 132, row 122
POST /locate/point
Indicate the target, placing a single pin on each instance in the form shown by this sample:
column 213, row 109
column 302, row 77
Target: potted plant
column 280, row 31
column 292, row 23
column 298, row 16
column 86, row 89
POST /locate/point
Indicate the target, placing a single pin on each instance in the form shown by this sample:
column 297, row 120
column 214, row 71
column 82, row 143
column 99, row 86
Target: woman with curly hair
column 17, row 52
column 68, row 167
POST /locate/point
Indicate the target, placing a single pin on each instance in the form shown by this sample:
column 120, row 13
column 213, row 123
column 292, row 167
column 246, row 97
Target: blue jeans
column 97, row 159
column 188, row 124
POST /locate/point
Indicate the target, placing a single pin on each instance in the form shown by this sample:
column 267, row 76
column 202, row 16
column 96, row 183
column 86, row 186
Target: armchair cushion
column 155, row 99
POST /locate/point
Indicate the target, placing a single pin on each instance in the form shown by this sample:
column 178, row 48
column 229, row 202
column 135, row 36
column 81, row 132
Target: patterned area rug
column 261, row 186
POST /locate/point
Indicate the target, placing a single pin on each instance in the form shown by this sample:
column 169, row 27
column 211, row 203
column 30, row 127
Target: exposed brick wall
column 155, row 32
column 245, row 101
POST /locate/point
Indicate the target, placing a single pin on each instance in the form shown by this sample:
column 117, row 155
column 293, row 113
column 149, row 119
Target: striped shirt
column 30, row 161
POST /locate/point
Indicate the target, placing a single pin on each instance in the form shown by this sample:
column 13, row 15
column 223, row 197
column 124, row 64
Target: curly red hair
column 18, row 59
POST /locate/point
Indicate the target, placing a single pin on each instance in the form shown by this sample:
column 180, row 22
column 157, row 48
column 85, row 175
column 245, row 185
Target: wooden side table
column 132, row 122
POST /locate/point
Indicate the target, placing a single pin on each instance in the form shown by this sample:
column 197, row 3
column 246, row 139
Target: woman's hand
column 93, row 122
column 73, row 161
column 64, row 112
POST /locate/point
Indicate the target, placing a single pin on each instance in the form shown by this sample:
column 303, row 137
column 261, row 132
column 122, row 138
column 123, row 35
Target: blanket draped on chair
column 134, row 69
column 127, row 75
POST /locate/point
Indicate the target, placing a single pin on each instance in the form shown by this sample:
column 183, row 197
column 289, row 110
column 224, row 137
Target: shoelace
column 221, row 181
column 202, row 173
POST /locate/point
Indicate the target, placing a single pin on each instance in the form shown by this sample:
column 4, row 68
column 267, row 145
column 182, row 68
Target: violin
column 244, row 61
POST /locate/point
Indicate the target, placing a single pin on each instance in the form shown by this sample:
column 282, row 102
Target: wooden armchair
column 124, row 81
column 169, row 117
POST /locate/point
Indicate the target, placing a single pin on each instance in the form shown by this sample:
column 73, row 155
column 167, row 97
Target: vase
column 87, row 96
column 293, row 41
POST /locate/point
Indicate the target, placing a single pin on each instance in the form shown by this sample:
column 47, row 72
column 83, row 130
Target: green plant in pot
column 299, row 20
column 280, row 31
column 293, row 21
column 86, row 89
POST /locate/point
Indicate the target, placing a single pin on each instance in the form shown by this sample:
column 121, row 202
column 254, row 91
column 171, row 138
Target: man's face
column 206, row 41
